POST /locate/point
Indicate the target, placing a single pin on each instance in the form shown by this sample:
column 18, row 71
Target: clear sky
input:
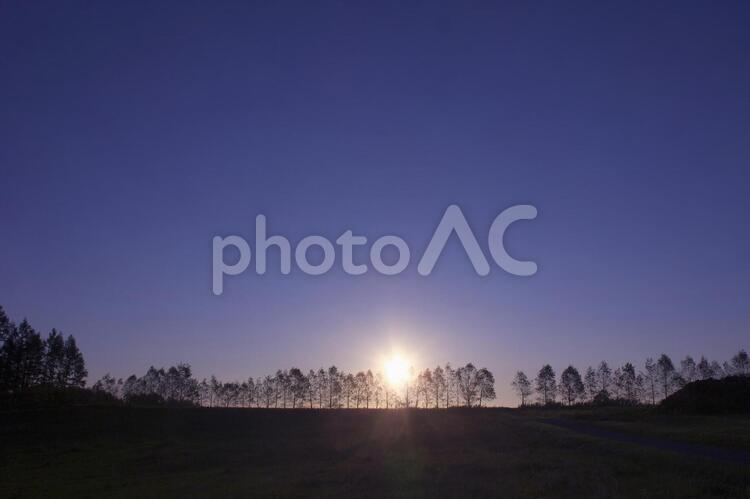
column 132, row 133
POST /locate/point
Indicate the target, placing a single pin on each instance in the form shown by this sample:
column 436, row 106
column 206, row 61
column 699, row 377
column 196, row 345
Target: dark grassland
column 101, row 451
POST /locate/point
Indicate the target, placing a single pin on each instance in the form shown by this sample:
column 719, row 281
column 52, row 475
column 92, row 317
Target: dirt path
column 686, row 449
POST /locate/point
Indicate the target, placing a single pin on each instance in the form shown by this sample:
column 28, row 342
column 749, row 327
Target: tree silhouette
column 369, row 382
column 359, row 389
column 627, row 383
column 468, row 383
column 450, row 385
column 666, row 372
column 73, row 364
column 347, row 388
column 379, row 390
column 7, row 328
column 704, row 368
column 603, row 378
column 334, row 387
column 27, row 361
column 571, row 384
column 54, row 359
column 522, row 386
column 741, row 364
column 688, row 370
column 28, row 356
column 438, row 385
column 590, row 383
column 486, row 385
column 546, row 384
column 298, row 386
column 651, row 378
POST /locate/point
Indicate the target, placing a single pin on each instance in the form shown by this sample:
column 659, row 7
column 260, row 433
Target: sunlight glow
column 396, row 370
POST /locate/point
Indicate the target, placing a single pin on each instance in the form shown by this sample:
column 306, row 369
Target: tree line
column 656, row 381
column 329, row 388
column 27, row 360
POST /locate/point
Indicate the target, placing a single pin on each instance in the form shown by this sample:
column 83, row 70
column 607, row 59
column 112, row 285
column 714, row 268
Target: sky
column 132, row 133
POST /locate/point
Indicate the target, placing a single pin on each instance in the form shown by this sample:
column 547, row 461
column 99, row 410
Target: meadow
column 121, row 451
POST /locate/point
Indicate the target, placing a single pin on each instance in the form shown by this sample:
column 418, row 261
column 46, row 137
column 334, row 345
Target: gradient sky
column 132, row 133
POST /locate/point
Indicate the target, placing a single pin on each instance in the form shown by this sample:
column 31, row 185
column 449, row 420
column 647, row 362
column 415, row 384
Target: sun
column 396, row 370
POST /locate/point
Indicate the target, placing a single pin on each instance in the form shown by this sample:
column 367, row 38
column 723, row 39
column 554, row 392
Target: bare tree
column 718, row 371
column 688, row 370
column 666, row 373
column 269, row 391
column 571, row 384
column 651, row 378
column 626, row 383
column 603, row 378
column 322, row 384
column 590, row 383
column 486, row 385
column 358, row 387
column 468, row 383
column 347, row 388
column 546, row 386
column 438, row 385
column 334, row 387
column 703, row 369
column 299, row 385
column 107, row 384
column 450, row 384
column 369, row 383
column 312, row 390
column 378, row 390
column 522, row 386
column 408, row 388
column 425, row 387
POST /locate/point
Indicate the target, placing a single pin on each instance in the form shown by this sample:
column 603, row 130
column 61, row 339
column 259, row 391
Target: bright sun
column 396, row 370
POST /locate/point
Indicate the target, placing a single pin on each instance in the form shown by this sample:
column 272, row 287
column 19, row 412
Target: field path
column 686, row 449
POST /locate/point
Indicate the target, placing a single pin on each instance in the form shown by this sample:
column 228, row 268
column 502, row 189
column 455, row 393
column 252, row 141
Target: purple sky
column 133, row 133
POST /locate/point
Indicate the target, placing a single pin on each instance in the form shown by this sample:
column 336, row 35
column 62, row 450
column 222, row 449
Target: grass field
column 158, row 452
column 725, row 431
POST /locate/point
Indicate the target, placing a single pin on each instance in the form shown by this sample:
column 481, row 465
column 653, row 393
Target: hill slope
column 730, row 395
